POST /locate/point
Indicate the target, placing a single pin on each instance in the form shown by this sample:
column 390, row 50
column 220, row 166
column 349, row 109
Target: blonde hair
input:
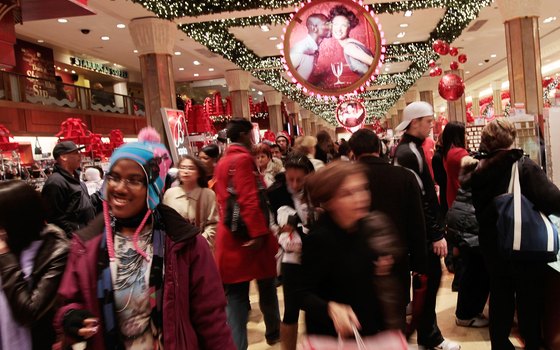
column 500, row 133
column 305, row 144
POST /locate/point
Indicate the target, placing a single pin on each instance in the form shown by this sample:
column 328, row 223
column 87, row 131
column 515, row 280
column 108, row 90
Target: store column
column 274, row 100
column 400, row 107
column 427, row 96
column 497, row 98
column 306, row 121
column 238, row 82
column 411, row 96
column 313, row 124
column 475, row 105
column 154, row 39
column 523, row 52
column 293, row 112
column 457, row 110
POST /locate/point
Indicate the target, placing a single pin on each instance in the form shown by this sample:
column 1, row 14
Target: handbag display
column 385, row 340
column 524, row 233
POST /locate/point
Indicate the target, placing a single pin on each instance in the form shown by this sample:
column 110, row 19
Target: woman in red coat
column 239, row 259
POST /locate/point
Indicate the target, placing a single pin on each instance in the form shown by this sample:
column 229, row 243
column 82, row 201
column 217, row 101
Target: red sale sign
column 175, row 125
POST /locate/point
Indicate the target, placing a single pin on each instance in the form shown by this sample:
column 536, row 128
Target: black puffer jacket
column 67, row 201
column 33, row 302
column 462, row 226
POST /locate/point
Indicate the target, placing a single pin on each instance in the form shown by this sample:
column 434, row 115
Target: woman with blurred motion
column 348, row 258
column 32, row 261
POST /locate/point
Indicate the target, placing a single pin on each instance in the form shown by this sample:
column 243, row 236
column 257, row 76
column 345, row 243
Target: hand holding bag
column 524, row 233
column 385, row 340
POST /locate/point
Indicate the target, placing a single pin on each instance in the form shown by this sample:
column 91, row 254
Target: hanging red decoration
column 454, row 65
column 208, row 108
column 462, row 58
column 444, row 49
column 433, row 72
column 453, row 51
column 218, row 104
column 451, row 87
column 95, row 149
column 437, row 45
column 5, row 143
column 74, row 129
column 432, row 64
column 547, row 81
column 116, row 138
column 438, row 71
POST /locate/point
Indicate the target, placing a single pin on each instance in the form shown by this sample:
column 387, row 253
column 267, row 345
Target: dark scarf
column 111, row 332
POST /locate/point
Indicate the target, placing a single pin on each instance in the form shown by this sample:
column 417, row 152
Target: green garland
column 215, row 35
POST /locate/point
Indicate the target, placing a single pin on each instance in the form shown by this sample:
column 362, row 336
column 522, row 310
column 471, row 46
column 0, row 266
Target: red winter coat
column 193, row 297
column 235, row 262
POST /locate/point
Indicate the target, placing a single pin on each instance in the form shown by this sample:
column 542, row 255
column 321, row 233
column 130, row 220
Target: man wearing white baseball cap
column 418, row 118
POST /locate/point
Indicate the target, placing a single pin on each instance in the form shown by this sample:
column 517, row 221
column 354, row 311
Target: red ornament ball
column 454, row 65
column 437, row 44
column 453, row 51
column 451, row 87
column 547, row 81
column 433, row 72
column 462, row 58
column 432, row 64
column 439, row 71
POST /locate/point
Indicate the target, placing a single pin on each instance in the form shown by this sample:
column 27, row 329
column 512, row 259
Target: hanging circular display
column 351, row 114
column 333, row 47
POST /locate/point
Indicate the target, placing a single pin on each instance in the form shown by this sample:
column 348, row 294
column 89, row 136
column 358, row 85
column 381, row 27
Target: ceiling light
column 253, row 89
column 404, row 25
column 73, row 72
column 273, row 38
column 468, row 72
column 265, row 28
column 387, row 69
column 177, row 53
column 196, row 74
column 114, row 64
column 62, row 20
column 105, row 38
column 121, row 26
column 396, row 42
column 196, row 63
column 40, row 41
column 401, row 35
column 408, row 13
column 549, row 20
column 58, row 68
column 493, row 55
column 65, row 69
column 135, row 51
column 480, row 64
column 181, row 68
column 260, row 93
column 280, row 46
column 210, row 69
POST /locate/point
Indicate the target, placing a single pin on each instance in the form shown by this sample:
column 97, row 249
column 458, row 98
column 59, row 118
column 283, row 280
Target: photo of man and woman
column 351, row 113
column 333, row 46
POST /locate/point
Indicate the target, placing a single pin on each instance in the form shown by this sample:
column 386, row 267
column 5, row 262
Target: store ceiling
column 479, row 45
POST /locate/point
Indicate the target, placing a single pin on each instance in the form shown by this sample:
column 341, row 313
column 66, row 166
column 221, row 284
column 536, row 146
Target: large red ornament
column 444, row 49
column 432, row 64
column 454, row 65
column 453, row 51
column 451, row 87
column 462, row 58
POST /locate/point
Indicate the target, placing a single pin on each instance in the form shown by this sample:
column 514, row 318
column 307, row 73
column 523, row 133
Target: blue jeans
column 237, row 310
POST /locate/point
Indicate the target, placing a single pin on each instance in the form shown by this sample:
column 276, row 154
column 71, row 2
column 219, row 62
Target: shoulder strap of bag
column 515, row 189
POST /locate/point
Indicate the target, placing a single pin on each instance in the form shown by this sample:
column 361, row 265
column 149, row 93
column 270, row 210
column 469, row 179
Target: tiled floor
column 469, row 338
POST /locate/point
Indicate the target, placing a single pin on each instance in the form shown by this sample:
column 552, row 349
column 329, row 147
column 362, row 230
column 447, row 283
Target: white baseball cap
column 415, row 110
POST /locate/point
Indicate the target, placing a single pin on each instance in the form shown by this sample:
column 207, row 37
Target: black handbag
column 38, row 149
column 232, row 215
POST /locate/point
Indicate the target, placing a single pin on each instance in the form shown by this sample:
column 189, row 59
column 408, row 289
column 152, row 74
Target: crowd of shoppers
column 136, row 265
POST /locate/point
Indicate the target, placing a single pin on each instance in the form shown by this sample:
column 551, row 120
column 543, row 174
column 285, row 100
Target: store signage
column 333, row 48
column 37, row 63
column 98, row 67
column 351, row 114
column 176, row 132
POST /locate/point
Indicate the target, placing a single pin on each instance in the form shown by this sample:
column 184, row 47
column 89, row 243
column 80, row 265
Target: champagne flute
column 337, row 71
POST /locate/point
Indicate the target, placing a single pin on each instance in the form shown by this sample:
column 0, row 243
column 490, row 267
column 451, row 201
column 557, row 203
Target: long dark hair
column 201, row 181
column 453, row 136
column 21, row 214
